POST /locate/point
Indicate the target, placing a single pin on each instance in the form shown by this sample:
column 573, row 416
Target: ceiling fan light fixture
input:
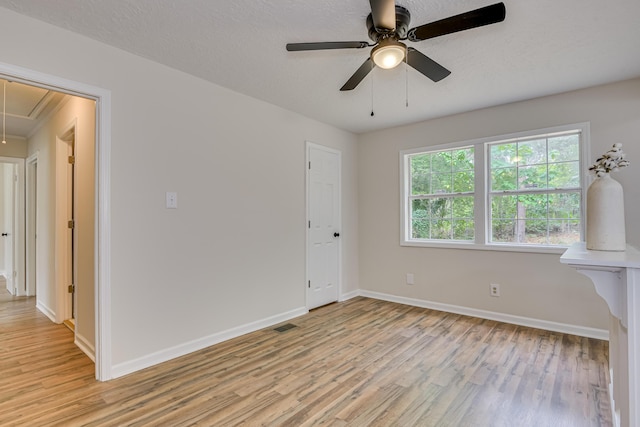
column 389, row 53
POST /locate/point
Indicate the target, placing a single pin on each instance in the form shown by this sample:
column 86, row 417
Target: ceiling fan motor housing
column 403, row 17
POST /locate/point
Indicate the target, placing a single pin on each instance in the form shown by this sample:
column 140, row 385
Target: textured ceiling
column 542, row 47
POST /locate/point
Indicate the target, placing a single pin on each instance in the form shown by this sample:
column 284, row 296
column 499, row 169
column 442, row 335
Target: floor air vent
column 285, row 327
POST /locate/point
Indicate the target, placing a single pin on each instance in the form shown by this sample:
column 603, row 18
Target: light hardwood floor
column 359, row 363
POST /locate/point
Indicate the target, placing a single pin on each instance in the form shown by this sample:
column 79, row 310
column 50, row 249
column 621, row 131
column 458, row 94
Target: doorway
column 100, row 258
column 323, row 225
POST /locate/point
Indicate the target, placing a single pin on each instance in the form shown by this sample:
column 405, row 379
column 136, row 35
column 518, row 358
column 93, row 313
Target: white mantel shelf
column 616, row 276
column 578, row 254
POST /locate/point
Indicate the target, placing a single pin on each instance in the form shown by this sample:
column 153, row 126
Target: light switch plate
column 172, row 200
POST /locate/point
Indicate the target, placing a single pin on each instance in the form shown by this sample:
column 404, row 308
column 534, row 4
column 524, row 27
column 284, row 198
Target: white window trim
column 481, row 198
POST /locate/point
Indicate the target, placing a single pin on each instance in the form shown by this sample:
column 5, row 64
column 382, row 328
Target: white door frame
column 102, row 97
column 65, row 255
column 31, row 178
column 308, row 146
column 19, row 288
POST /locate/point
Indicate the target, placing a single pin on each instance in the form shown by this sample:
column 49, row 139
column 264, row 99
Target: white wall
column 15, row 147
column 532, row 285
column 233, row 251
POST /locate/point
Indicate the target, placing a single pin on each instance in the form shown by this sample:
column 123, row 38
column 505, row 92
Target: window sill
column 487, row 247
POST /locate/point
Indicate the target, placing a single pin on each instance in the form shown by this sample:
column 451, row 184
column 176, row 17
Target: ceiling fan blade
column 426, row 65
column 465, row 21
column 357, row 77
column 293, row 47
column 383, row 13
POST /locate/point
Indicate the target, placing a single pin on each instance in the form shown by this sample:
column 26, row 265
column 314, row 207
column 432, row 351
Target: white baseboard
column 582, row 331
column 86, row 347
column 349, row 295
column 143, row 362
column 46, row 311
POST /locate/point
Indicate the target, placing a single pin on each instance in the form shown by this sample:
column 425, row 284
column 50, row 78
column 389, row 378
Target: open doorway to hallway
column 48, row 254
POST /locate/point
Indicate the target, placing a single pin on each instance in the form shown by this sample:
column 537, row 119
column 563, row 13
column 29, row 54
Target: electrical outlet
column 494, row 290
column 410, row 279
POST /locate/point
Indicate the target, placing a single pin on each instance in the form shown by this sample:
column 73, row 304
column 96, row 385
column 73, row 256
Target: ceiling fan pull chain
column 372, row 90
column 406, row 87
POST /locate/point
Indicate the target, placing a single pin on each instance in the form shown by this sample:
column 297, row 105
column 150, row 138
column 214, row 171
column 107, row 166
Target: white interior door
column 13, row 223
column 8, row 233
column 323, row 225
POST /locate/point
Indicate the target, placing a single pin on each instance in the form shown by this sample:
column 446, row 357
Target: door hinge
column 309, row 223
column 309, row 165
column 71, row 223
column 72, row 160
column 71, row 289
column 309, row 284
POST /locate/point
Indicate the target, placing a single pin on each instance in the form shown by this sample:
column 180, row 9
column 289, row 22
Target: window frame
column 481, row 193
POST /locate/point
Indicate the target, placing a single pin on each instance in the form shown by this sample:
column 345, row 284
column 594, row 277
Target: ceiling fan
column 387, row 24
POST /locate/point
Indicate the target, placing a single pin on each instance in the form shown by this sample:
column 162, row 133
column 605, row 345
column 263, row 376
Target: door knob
column 5, row 234
column 336, row 234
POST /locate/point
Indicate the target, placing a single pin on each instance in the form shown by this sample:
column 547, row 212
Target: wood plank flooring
column 362, row 362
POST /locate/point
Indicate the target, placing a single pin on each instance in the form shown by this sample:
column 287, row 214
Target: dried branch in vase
column 610, row 161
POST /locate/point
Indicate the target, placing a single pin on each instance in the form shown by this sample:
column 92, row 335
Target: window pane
column 535, row 232
column 441, row 183
column 464, row 229
column 463, row 182
column 503, row 231
column 420, row 208
column 504, row 207
column 420, row 174
column 419, row 229
column 420, row 219
column 564, row 206
column 462, row 160
column 564, row 175
column 503, row 155
column 441, row 161
column 420, row 184
column 532, row 206
column 532, row 152
column 441, row 229
column 503, row 179
column 532, row 177
column 564, row 148
column 462, row 207
column 564, row 232
column 440, row 208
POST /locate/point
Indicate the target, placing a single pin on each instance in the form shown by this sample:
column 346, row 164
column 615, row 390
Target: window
column 442, row 186
column 515, row 192
column 534, row 191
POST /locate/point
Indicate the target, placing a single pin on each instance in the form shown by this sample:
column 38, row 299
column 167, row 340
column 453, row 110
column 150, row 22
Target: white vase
column 605, row 215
